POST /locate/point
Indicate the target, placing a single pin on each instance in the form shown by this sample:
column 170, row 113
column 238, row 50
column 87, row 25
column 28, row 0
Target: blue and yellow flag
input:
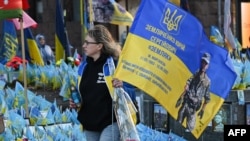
column 163, row 49
column 121, row 16
column 9, row 42
column 32, row 52
column 62, row 46
column 112, row 12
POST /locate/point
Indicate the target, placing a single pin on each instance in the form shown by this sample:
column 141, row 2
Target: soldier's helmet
column 206, row 57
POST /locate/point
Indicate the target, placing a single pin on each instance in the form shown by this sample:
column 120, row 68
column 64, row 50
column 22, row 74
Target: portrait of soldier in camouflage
column 197, row 87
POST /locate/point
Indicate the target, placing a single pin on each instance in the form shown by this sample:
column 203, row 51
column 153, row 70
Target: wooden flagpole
column 24, row 69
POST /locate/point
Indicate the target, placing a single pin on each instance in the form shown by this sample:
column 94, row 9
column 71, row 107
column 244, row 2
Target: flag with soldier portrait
column 164, row 49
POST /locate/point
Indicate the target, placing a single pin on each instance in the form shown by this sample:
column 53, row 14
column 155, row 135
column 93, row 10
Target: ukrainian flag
column 32, row 51
column 163, row 49
column 61, row 40
column 9, row 44
column 121, row 16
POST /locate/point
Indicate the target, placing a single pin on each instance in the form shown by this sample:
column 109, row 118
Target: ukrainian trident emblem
column 171, row 20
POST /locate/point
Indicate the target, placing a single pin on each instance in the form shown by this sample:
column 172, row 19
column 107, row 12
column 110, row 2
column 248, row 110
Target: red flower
column 15, row 62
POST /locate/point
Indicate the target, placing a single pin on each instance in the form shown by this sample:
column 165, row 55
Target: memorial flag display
column 164, row 49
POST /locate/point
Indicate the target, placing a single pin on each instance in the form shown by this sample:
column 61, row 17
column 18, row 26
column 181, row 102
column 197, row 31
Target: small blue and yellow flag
column 32, row 54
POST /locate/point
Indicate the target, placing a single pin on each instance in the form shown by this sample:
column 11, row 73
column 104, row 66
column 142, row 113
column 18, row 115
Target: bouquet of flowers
column 123, row 108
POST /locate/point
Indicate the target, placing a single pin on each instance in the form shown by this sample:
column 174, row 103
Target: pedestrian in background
column 45, row 50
